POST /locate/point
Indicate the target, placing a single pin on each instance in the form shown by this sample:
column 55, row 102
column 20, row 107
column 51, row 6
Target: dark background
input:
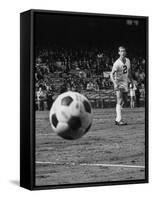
column 75, row 31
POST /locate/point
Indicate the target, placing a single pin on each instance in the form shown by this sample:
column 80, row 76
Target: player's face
column 122, row 52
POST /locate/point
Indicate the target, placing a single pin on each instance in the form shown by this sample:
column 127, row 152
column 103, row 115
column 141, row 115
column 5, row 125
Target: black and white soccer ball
column 71, row 115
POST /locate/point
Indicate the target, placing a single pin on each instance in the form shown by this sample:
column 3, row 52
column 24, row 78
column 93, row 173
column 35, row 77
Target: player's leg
column 124, row 98
column 119, row 96
column 118, row 105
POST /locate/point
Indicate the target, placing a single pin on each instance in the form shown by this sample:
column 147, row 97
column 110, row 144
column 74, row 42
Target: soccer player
column 120, row 76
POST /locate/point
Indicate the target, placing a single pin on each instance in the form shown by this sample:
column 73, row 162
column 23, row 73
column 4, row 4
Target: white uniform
column 120, row 73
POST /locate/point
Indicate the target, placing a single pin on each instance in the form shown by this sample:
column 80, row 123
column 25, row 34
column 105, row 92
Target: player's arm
column 113, row 75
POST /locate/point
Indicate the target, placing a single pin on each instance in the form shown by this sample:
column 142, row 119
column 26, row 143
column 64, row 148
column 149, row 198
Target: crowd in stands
column 59, row 69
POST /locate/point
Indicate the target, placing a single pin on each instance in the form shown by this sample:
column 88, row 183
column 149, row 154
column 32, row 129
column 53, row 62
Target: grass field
column 106, row 153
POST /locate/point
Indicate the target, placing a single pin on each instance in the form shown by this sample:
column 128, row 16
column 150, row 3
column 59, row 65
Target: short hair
column 121, row 47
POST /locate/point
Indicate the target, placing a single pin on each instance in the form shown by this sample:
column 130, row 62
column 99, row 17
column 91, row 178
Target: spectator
column 90, row 86
column 133, row 88
column 96, row 87
column 49, row 99
column 40, row 99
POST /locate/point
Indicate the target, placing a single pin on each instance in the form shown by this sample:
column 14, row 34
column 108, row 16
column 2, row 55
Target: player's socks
column 118, row 112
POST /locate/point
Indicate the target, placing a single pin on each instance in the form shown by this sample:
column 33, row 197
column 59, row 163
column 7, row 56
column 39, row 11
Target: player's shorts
column 122, row 86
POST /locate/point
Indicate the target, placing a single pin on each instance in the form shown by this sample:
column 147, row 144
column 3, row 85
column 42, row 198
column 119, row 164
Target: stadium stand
column 86, row 71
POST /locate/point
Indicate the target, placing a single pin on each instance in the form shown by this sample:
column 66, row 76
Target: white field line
column 112, row 165
column 91, row 164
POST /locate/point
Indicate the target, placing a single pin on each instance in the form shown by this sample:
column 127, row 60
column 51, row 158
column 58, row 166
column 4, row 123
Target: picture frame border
column 27, row 103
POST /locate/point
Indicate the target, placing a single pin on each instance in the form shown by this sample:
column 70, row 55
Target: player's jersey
column 120, row 72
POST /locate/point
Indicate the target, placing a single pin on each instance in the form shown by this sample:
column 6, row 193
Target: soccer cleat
column 121, row 123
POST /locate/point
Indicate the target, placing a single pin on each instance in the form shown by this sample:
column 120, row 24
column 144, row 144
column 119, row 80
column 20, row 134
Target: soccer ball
column 71, row 115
